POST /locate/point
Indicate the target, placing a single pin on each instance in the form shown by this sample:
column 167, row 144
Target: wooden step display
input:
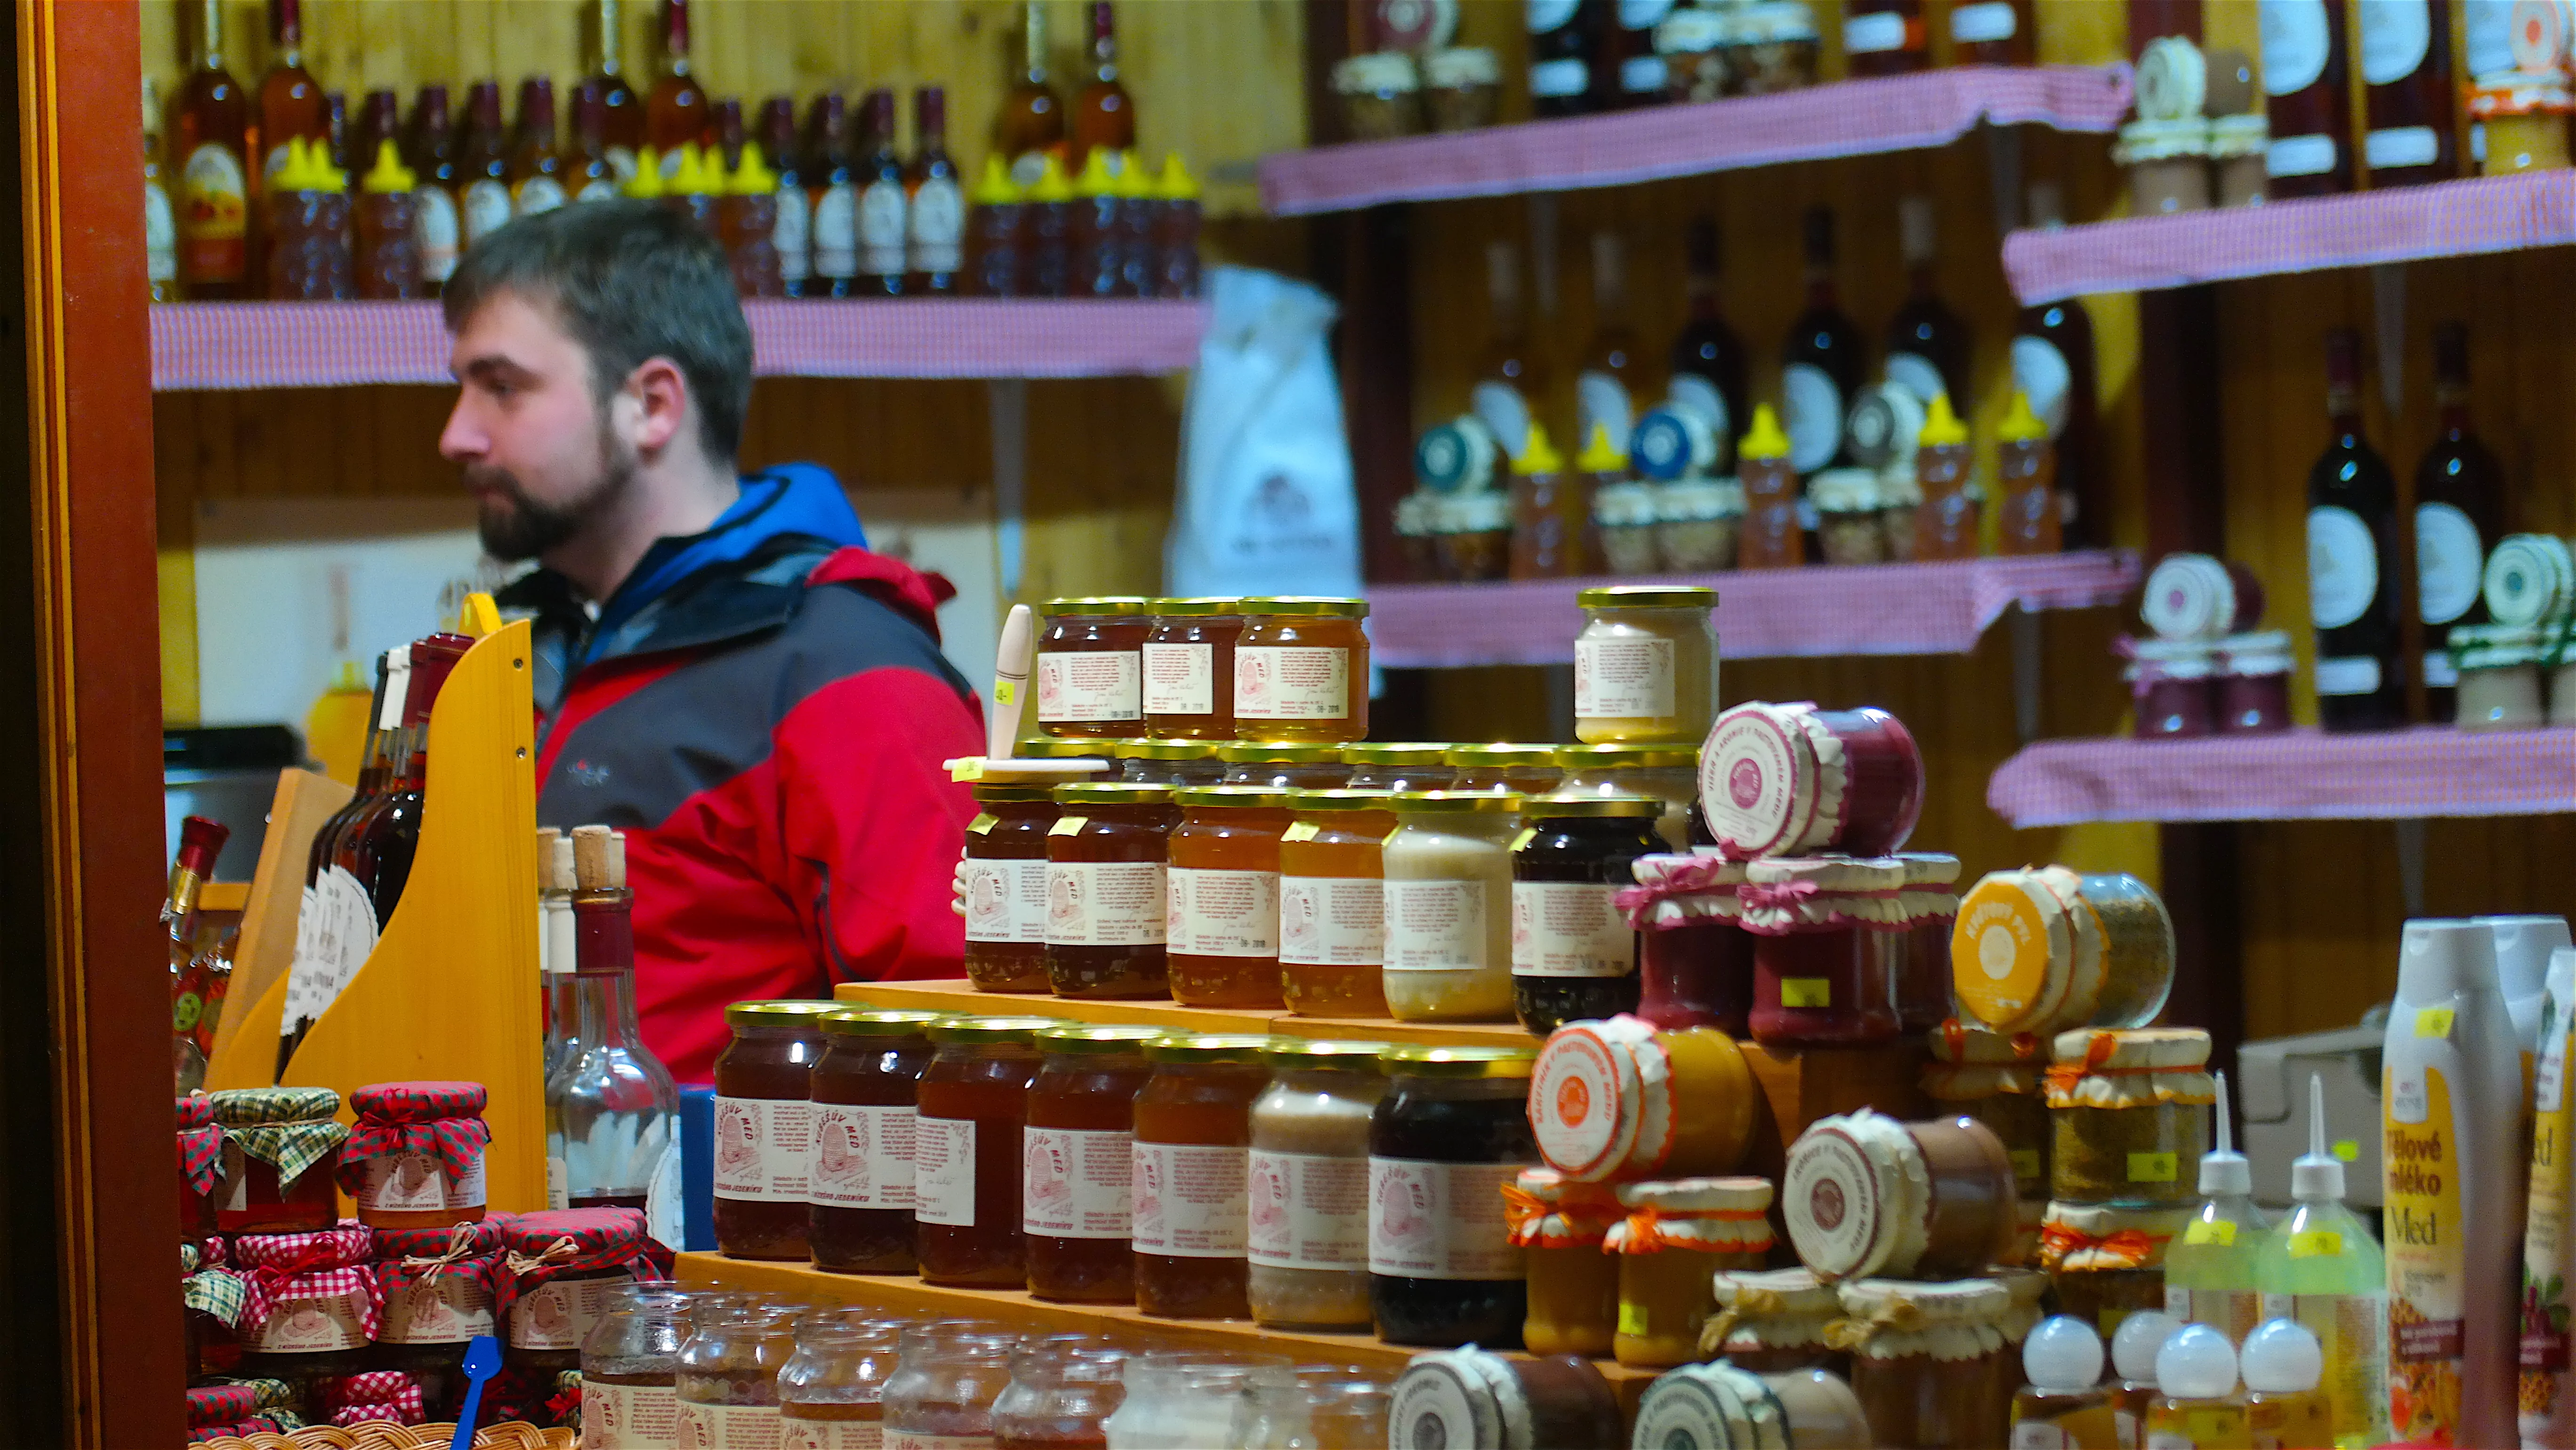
column 451, row 989
column 266, row 946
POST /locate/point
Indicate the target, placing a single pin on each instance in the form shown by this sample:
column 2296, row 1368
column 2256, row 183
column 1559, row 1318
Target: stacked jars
column 1995, row 1079
column 1645, row 665
column 1668, row 773
column 1192, row 1153
column 630, row 1367
column 1301, row 670
column 1307, row 1185
column 1451, row 1132
column 562, row 1268
column 1090, row 667
column 1331, row 903
column 312, row 1305
column 415, row 1158
column 1560, row 1225
column 972, row 1103
column 858, row 1194
column 2129, row 1120
column 210, row 1295
column 439, row 1287
column 1574, row 955
column 1188, row 668
column 2208, row 669
column 1107, row 906
column 764, row 1127
column 1223, row 887
column 1447, row 947
column 1005, row 885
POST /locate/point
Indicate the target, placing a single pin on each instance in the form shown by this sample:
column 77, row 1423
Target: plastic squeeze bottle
column 2209, row 1270
column 2450, row 1109
column 2065, row 1406
column 1771, row 538
column 2548, row 1401
column 2523, row 945
column 2282, row 1364
column 2026, row 479
column 2321, row 1266
column 2197, row 1407
column 2133, row 1370
column 1945, row 523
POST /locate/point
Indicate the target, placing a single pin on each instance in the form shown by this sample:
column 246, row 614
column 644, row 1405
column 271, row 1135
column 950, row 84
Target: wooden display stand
column 451, row 988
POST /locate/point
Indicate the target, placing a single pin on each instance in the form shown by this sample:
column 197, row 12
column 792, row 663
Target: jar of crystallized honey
column 1994, row 1079
column 1866, row 1195
column 2129, row 1113
column 415, row 1158
column 1090, row 667
column 1645, row 665
column 1301, row 669
column 1618, row 1100
column 2045, row 949
column 1306, row 1233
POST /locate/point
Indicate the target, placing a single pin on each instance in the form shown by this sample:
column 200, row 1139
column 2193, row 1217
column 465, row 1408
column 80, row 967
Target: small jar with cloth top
column 1694, row 959
column 1925, row 1360
column 1772, row 1321
column 1867, row 1196
column 2029, row 1289
column 2107, row 1261
column 1820, row 926
column 1616, row 1100
column 211, row 1297
column 2129, row 1114
column 558, row 1269
column 1558, row 1224
column 439, row 1288
column 201, row 1166
column 374, row 1396
column 311, row 1304
column 1994, row 1079
column 414, row 1160
column 281, row 1150
column 1678, row 1233
column 242, row 1408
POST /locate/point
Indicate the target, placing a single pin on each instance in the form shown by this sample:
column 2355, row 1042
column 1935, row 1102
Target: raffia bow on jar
column 1762, row 1314
column 571, row 1241
column 1901, row 1319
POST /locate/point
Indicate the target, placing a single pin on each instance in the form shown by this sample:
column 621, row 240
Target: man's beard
column 524, row 527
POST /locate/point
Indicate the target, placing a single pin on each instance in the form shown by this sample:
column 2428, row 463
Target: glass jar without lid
column 1189, row 669
column 764, row 1127
column 1399, row 765
column 728, row 1374
column 1676, row 1235
column 1447, row 902
column 1332, row 923
column 1222, row 945
column 1928, row 1361
column 966, row 1160
column 1506, row 765
column 1284, row 765
column 1306, row 1209
column 859, row 1194
column 2107, row 1261
column 630, row 1364
column 1864, row 1194
column 1301, row 669
column 1179, row 1398
column 1062, row 1392
column 1090, row 667
column 1006, row 899
column 1645, row 665
column 1175, row 763
column 945, row 1382
column 1668, row 773
column 831, row 1392
column 1994, row 1079
column 1193, row 1143
column 1574, row 955
column 1558, row 1224
column 2130, row 1115
column 1078, row 1152
column 1107, row 903
column 1451, row 1131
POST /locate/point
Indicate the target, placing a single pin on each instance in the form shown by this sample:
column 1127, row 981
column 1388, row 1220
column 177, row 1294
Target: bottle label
column 449, row 1309
column 2402, row 146
column 2450, row 562
column 2044, row 376
column 2351, row 675
column 1623, row 677
column 1006, row 901
column 349, row 931
column 881, row 228
column 2232, row 1312
column 487, row 208
column 2489, row 27
column 1440, row 1220
column 663, row 1204
column 836, row 231
column 862, row 1157
column 1875, row 33
column 794, row 234
column 1292, row 682
column 559, row 1314
column 434, row 231
column 1105, row 904
column 312, row 1326
column 2074, row 1430
column 629, row 1417
column 2295, row 45
column 1812, row 411
column 763, row 1147
column 418, row 1183
column 1504, row 412
column 728, row 1427
column 796, row 1434
column 1308, row 1211
column 1028, row 168
column 160, row 236
column 943, row 1171
column 935, row 233
column 1693, row 393
column 1570, row 929
column 1074, row 1182
column 1564, row 76
column 2439, row 672
column 1180, row 679
column 2352, row 1329
column 539, row 194
column 1189, row 1200
column 1435, row 926
column 2299, row 156
column 559, row 1181
column 1547, row 15
column 1090, row 686
column 214, row 215
column 1643, row 14
column 2343, row 566
column 1914, row 372
column 1222, row 913
column 1982, row 22
column 2395, row 34
column 1331, row 921
column 1601, row 400
column 602, row 188
column 2427, row 1254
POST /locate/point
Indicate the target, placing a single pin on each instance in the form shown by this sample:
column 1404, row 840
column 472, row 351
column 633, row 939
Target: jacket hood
column 791, row 500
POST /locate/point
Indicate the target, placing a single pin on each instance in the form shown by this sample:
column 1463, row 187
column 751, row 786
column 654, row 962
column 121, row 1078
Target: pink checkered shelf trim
column 1848, row 118
column 1877, row 609
column 2296, row 775
column 2446, row 219
column 232, row 345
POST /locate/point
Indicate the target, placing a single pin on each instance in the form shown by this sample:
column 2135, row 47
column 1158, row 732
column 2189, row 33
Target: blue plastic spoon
column 482, row 1361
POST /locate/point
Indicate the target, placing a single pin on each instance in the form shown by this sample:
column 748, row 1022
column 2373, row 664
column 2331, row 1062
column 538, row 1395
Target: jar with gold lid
column 1645, row 665
column 1005, row 886
column 1188, row 668
column 764, row 1122
column 1669, row 773
column 1222, row 892
column 1090, row 669
column 1301, row 669
column 1284, row 765
column 1107, row 901
column 1399, row 765
column 1174, row 763
column 1452, row 1129
column 1529, row 769
column 1306, row 1215
column 1447, row 903
column 1332, row 918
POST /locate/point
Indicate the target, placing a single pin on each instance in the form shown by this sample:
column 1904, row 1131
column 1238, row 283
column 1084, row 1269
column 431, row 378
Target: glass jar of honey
column 1193, row 1147
column 1399, row 765
column 1222, row 946
column 1448, row 891
column 1307, row 1199
column 859, row 1195
column 1006, row 900
column 1078, row 1161
column 1284, row 765
column 1169, row 762
column 1645, row 666
column 1668, row 773
column 1090, row 667
column 966, row 1162
column 1301, row 670
column 1189, row 669
column 415, row 1158
column 1452, row 1130
column 1331, row 918
column 1524, row 769
column 1107, row 903
column 831, row 1392
column 1676, row 1236
column 1558, row 1224
column 765, row 1127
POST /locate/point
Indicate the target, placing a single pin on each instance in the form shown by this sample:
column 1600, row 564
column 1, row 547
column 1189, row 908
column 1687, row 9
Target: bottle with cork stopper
column 555, row 942
column 612, row 1110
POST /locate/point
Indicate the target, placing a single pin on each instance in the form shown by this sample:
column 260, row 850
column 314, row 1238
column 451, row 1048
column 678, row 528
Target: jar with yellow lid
column 1307, row 1211
column 1283, row 765
column 1332, row 919
column 1090, row 672
column 1645, row 665
column 2045, row 949
column 1772, row 1321
column 1447, row 952
column 764, row 1122
column 1926, row 1359
column 1222, row 938
column 1452, row 1129
column 1193, row 1152
column 1995, row 1079
column 1107, row 904
column 1617, row 1100
column 1168, row 762
column 1530, row 769
column 1558, row 1224
column 1301, row 669
column 1005, row 886
column 967, row 1155
column 1678, row 1233
column 1077, row 1170
column 1399, row 765
column 2130, row 1115
column 2107, row 1260
column 1188, row 668
column 1669, row 773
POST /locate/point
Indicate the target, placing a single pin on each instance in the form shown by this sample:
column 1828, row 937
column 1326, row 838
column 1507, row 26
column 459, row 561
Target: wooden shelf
column 2298, row 775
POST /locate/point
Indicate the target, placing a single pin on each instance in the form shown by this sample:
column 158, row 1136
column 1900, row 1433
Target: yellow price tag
column 2220, row 1231
column 1527, row 835
column 964, row 767
column 1806, row 992
column 1301, row 831
column 983, row 825
column 1632, row 1319
column 2316, row 1243
column 2154, row 1167
column 1005, row 691
column 2025, row 1163
column 1068, row 825
column 2347, row 1149
column 2214, row 1427
column 2433, row 1022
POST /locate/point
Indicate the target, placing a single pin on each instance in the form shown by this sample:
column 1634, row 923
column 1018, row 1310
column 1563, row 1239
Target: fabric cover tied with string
column 281, row 1269
column 440, row 1120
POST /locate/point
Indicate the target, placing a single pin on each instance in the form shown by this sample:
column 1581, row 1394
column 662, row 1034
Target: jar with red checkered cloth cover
column 440, row 1286
column 415, row 1158
column 559, row 1268
column 311, row 1304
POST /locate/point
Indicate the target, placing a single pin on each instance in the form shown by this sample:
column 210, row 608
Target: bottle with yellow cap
column 1771, row 537
column 1175, row 268
column 388, row 256
column 993, row 232
column 646, row 183
column 693, row 185
column 1945, row 522
column 1099, row 252
column 1550, row 511
column 308, row 226
column 1138, row 206
column 2026, row 482
column 747, row 224
column 1046, row 221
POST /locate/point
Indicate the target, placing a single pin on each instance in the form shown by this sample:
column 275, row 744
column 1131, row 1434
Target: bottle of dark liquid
column 882, row 202
column 1104, row 116
column 1822, row 364
column 1707, row 356
column 1560, row 55
column 2459, row 514
column 536, row 162
column 483, row 161
column 935, row 222
column 1099, row 258
column 993, row 232
column 794, row 231
column 1511, row 380
column 2353, row 583
column 431, row 155
column 379, row 118
column 210, row 139
column 612, row 1111
column 316, row 962
column 1927, row 344
column 335, row 114
column 677, row 113
column 1626, row 71
column 621, row 111
column 378, row 847
column 2407, row 92
column 832, row 180
column 2053, row 364
column 591, row 174
column 1030, row 125
column 729, row 134
column 1614, row 365
column 1884, row 37
column 2305, row 99
column 291, row 102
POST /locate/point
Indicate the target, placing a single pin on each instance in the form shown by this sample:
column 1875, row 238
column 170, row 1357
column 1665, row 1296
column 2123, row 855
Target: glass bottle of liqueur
column 437, row 229
column 1606, row 389
column 882, row 202
column 377, row 847
column 1626, row 71
column 612, row 1111
column 1103, row 113
column 291, row 102
column 331, row 908
column 2305, row 100
column 621, row 111
column 935, row 216
column 794, row 233
column 160, row 220
column 1560, row 55
column 1927, row 344
column 1993, row 32
column 2053, row 365
column 192, row 1000
column 483, row 164
column 676, row 112
column 2459, row 512
column 1707, row 356
column 1030, row 125
column 1884, row 37
column 210, row 137
column 2352, row 561
column 591, row 174
column 1822, row 363
column 536, row 163
column 729, row 135
column 2407, row 92
column 832, row 178
column 1511, row 378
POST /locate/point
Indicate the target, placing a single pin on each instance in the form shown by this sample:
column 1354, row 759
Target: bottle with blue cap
column 2321, row 1266
column 2210, row 1268
column 2197, row 1406
column 2065, row 1406
column 2283, row 1364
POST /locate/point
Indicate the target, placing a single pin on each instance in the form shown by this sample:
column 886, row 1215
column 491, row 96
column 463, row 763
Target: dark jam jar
column 1090, row 668
column 1006, row 886
column 1574, row 956
column 764, row 1127
column 966, row 1164
column 1452, row 1129
column 1078, row 1159
column 1106, row 905
column 858, row 1216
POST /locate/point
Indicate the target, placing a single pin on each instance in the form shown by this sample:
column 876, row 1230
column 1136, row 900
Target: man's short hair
column 631, row 280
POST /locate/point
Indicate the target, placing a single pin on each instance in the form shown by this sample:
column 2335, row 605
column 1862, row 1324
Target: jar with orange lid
column 1865, row 1195
column 1525, row 769
column 1995, row 1079
column 966, row 1159
column 1006, row 900
column 1169, row 762
column 1399, row 765
column 2045, row 949
column 1193, row 1152
column 1306, row 1208
column 1331, row 906
column 1453, row 1128
column 1677, row 1233
column 1822, row 928
column 414, row 1159
column 1668, row 773
column 1106, row 899
column 1078, row 1151
column 1558, row 1224
column 858, row 1197
column 1301, row 669
column 764, row 1127
column 1284, row 765
column 1189, row 668
column 1222, row 941
column 1090, row 669
column 1617, row 1100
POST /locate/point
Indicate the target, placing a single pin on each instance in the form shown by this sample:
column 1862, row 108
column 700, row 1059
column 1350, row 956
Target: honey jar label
column 1292, row 682
column 1623, row 677
column 1440, row 1220
column 1307, row 1211
column 1074, row 1182
column 762, row 1148
column 559, row 1314
column 419, row 1183
column 1006, row 901
column 629, row 1417
column 313, row 1326
column 943, row 1171
column 449, row 1309
column 862, row 1157
column 487, row 208
column 1570, row 929
column 2000, row 950
column 799, row 1434
column 1188, row 1200
column 1435, row 926
column 1089, row 686
column 1331, row 921
column 1755, row 780
column 1180, row 679
column 1434, row 1408
column 728, row 1427
column 1106, row 903
column 1222, row 913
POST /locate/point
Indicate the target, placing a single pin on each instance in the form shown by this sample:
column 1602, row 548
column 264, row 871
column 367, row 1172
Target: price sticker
column 1301, row 831
column 1527, row 835
column 1806, row 992
column 2220, row 1231
column 1632, row 1319
column 1068, row 825
column 2433, row 1022
column 982, row 825
column 2316, row 1243
column 2025, row 1163
column 2347, row 1149
column 2154, row 1167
